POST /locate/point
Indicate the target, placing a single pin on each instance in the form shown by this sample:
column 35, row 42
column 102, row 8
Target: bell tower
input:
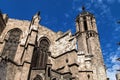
column 85, row 28
column 89, row 44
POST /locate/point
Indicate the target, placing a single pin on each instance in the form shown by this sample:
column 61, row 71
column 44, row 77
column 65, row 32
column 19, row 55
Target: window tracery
column 40, row 54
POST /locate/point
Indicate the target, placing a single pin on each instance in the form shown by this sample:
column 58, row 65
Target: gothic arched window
column 40, row 54
column 11, row 43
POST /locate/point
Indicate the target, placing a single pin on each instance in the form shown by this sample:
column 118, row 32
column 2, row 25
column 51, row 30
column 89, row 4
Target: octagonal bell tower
column 89, row 44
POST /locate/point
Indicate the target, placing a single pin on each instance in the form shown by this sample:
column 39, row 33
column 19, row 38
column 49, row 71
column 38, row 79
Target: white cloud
column 113, row 58
column 112, row 70
column 116, row 66
column 111, row 74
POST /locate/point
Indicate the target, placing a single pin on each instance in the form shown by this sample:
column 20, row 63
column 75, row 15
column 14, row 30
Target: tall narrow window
column 49, row 72
column 85, row 23
column 40, row 54
column 12, row 42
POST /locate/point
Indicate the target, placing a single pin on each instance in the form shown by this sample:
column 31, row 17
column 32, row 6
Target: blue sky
column 60, row 15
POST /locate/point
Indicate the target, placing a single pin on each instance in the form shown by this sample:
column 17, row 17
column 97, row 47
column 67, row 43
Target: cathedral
column 30, row 51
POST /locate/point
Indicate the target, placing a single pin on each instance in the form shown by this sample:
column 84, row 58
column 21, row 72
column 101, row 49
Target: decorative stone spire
column 36, row 18
column 35, row 21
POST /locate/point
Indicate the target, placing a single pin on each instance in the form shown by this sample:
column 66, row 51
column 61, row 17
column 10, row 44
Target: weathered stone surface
column 66, row 42
column 76, row 57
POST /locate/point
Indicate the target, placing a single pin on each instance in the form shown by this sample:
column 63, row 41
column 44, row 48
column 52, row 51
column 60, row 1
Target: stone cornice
column 61, row 73
column 79, row 33
column 63, row 54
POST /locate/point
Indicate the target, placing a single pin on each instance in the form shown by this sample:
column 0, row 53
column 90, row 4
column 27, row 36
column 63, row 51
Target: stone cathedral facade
column 30, row 51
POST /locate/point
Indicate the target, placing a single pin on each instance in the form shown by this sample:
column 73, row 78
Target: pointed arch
column 11, row 43
column 54, row 79
column 38, row 77
column 40, row 54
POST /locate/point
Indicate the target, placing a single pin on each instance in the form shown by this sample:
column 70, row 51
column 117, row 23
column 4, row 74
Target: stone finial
column 36, row 18
column 38, row 13
column 83, row 8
